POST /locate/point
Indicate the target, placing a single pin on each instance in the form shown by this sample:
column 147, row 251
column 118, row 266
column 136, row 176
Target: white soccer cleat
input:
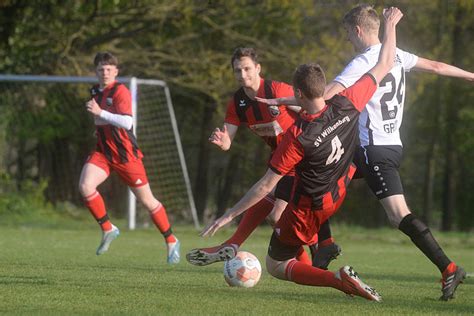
column 353, row 285
column 173, row 252
column 107, row 238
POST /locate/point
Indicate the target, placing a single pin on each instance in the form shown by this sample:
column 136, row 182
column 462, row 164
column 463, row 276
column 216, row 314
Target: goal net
column 46, row 134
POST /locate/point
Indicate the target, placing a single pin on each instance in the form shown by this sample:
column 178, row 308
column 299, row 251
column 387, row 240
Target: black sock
column 324, row 232
column 313, row 249
column 421, row 236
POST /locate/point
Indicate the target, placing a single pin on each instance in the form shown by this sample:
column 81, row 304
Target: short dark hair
column 244, row 52
column 310, row 79
column 105, row 58
column 364, row 16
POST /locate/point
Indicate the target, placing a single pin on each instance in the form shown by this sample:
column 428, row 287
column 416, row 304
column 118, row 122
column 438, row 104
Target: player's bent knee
column 146, row 197
column 276, row 268
column 86, row 189
column 396, row 217
column 396, row 208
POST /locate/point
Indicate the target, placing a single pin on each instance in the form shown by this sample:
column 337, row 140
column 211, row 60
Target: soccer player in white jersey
column 378, row 158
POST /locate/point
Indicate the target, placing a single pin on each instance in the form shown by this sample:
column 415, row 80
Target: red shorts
column 132, row 173
column 299, row 225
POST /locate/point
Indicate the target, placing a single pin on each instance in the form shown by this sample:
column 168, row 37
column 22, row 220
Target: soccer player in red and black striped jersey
column 269, row 123
column 320, row 146
column 117, row 150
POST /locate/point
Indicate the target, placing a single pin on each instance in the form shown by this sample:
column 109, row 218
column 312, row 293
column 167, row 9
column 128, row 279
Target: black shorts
column 379, row 166
column 280, row 251
column 284, row 187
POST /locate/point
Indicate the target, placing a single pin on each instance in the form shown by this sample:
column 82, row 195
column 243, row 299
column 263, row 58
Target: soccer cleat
column 107, row 238
column 205, row 256
column 173, row 252
column 353, row 285
column 324, row 255
column 450, row 282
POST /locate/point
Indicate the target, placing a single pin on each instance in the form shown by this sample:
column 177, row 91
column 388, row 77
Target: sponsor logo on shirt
column 274, row 110
column 398, row 60
column 242, row 103
column 272, row 128
column 109, row 101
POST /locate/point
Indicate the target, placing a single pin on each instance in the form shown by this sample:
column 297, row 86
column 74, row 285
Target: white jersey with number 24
column 380, row 121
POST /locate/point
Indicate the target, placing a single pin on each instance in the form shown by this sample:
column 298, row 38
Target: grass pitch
column 47, row 271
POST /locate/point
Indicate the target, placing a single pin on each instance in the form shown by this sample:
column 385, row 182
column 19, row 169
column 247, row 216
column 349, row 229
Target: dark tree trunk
column 451, row 170
column 201, row 185
column 228, row 183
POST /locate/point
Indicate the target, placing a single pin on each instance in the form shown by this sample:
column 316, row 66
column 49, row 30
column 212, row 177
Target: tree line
column 189, row 44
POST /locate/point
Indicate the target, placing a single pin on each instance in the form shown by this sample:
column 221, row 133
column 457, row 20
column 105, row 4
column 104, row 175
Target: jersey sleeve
column 122, row 101
column 288, row 153
column 361, row 92
column 231, row 116
column 408, row 60
column 353, row 71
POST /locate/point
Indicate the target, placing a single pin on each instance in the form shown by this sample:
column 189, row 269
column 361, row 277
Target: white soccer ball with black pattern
column 244, row 270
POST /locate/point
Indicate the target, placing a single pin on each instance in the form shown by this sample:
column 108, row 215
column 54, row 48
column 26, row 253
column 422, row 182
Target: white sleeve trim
column 119, row 120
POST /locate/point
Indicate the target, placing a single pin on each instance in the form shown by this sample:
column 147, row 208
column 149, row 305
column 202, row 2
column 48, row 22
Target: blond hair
column 365, row 17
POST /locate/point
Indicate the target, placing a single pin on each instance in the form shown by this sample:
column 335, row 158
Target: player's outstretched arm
column 440, row 68
column 332, row 89
column 258, row 191
column 223, row 138
column 290, row 101
column 385, row 62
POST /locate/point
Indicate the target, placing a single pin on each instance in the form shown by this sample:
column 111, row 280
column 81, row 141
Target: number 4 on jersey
column 336, row 152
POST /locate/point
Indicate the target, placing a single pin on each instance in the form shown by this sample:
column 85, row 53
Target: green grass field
column 54, row 271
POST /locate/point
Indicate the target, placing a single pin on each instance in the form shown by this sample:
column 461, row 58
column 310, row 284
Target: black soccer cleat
column 205, row 256
column 324, row 255
column 450, row 283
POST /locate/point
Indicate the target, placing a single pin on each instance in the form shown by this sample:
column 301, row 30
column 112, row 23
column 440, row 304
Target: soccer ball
column 244, row 270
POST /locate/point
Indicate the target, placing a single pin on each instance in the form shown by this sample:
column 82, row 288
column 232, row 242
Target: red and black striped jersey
column 321, row 147
column 117, row 144
column 268, row 122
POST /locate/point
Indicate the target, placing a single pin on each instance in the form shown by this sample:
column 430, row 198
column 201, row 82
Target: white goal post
column 147, row 96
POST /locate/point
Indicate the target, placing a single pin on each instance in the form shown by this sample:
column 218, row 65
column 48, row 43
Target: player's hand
column 392, row 15
column 93, row 108
column 220, row 138
column 269, row 102
column 212, row 228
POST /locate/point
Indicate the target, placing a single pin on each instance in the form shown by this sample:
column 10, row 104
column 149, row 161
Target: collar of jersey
column 108, row 86
column 309, row 117
column 370, row 47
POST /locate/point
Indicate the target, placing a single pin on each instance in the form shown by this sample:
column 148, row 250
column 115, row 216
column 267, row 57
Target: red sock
column 160, row 218
column 304, row 274
column 252, row 218
column 96, row 206
column 326, row 242
column 303, row 257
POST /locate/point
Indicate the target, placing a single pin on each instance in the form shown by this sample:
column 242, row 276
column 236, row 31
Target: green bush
column 25, row 204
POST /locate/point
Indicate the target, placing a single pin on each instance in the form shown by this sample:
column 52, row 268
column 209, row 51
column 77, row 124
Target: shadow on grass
column 9, row 279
